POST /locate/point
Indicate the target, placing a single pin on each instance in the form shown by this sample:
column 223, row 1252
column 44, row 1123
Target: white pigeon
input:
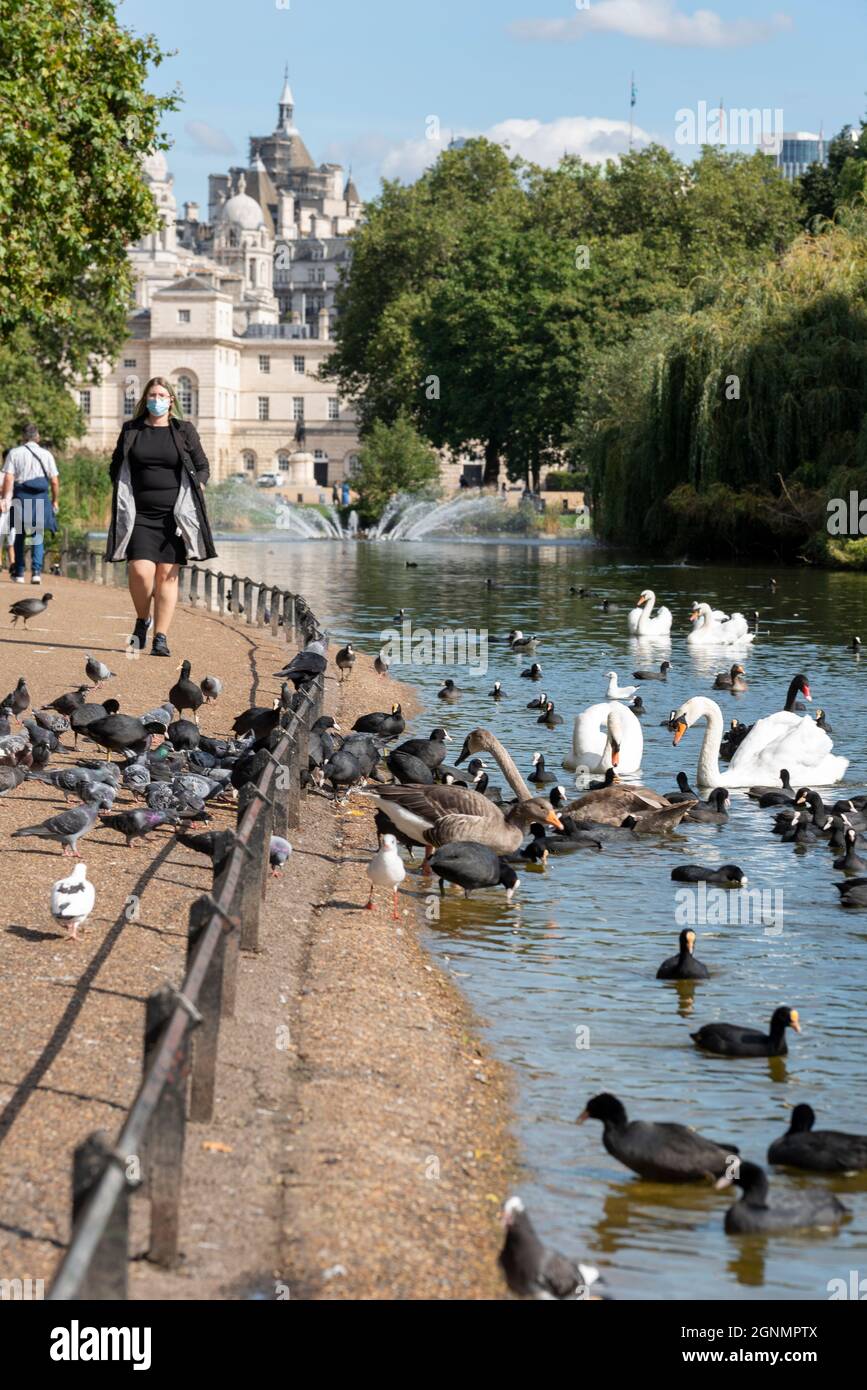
column 617, row 692
column 386, row 870
column 73, row 899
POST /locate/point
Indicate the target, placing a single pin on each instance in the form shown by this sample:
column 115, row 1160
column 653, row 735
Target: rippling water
column 579, row 946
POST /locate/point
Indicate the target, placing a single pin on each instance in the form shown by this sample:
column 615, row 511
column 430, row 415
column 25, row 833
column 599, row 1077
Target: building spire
column 286, row 108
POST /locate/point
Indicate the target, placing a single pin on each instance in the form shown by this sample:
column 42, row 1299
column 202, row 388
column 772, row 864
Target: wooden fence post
column 236, row 596
column 106, row 1277
column 209, row 1004
column 194, row 586
column 252, row 887
column 163, row 1156
column 221, row 594
column 248, row 602
column 261, row 606
column 275, row 612
column 225, row 844
column 209, row 590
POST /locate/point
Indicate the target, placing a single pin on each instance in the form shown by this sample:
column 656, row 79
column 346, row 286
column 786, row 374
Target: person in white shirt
column 29, row 473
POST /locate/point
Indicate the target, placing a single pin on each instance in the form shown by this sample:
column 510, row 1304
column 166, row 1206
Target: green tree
column 393, row 459
column 75, row 121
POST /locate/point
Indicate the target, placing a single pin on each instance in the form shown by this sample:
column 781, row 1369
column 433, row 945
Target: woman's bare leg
column 165, row 596
column 141, row 575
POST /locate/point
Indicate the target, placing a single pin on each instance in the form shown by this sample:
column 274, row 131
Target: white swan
column 604, row 736
column 641, row 621
column 617, row 692
column 711, row 631
column 780, row 740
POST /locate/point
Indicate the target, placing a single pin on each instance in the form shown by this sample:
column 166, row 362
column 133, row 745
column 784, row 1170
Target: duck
column 531, row 1270
column 660, row 675
column 850, row 862
column 779, row 740
column 714, row 811
column 386, row 870
column 582, row 592
column 617, row 692
column 726, row 876
column 540, row 775
column 498, row 693
column 820, row 1150
column 642, row 622
column 773, row 796
column 715, row 630
column 532, row 673
column 731, row 680
column 473, row 866
column 606, row 735
column 758, row 1212
column 637, row 705
column 657, row 1152
column 684, row 965
column 733, row 1040
column 549, row 716
column 449, row 691
column 438, row 815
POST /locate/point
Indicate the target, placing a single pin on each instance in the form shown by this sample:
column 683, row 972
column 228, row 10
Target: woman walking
column 158, row 516
column 30, row 479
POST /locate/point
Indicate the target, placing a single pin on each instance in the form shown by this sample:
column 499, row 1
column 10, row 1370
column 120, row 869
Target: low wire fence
column 182, row 1024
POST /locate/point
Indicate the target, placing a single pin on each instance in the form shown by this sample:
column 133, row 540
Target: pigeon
column 47, row 720
column 28, row 608
column 321, row 743
column 380, row 666
column 345, row 660
column 211, row 687
column 205, row 843
column 278, row 852
column 77, row 781
column 73, row 899
column 186, row 694
column 14, row 748
column 66, row 828
column 18, row 700
column 137, row 824
column 97, row 671
column 5, row 721
column 163, row 715
column 65, row 704
column 386, row 870
column 533, row 1271
column 10, row 778
column 305, row 667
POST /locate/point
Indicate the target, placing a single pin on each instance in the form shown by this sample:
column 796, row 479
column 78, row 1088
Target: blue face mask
column 158, row 406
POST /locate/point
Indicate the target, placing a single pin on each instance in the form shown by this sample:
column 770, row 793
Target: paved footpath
column 361, row 1156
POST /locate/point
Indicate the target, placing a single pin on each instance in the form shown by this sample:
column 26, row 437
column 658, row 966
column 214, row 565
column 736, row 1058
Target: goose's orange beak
column 680, row 729
column 553, row 819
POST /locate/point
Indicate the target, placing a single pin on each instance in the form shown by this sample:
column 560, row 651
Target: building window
column 84, row 402
column 320, row 455
column 249, row 461
column 183, row 316
column 129, row 361
column 128, row 405
column 299, row 365
column 264, row 407
column 354, row 464
column 282, row 463
column 186, row 395
column 264, row 364
column 333, row 408
column 297, row 407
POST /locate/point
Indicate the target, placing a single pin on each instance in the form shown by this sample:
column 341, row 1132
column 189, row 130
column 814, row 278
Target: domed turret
column 242, row 211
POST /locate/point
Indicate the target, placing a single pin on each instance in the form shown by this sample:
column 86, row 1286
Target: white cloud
column 658, row 21
column 209, row 138
column 594, row 138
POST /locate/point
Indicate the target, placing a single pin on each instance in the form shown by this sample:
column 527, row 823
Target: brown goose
column 612, row 805
column 439, row 815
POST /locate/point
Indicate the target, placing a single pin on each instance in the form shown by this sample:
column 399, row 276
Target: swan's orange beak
column 553, row 819
column 692, row 617
column 640, row 601
column 615, row 754
column 795, row 1020
column 680, row 729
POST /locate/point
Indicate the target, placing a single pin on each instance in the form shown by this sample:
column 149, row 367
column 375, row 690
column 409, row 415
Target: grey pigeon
column 137, row 824
column 18, row 699
column 97, row 671
column 74, row 781
column 212, row 686
column 278, row 853
column 136, row 775
column 56, row 724
column 162, row 715
column 66, row 828
column 532, row 1270
column 102, row 772
column 28, row 608
column 65, row 704
column 10, row 778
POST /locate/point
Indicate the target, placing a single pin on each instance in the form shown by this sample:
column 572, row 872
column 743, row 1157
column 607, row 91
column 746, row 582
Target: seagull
column 73, row 899
column 534, row 1271
column 617, row 692
column 278, row 853
column 386, row 870
column 97, row 671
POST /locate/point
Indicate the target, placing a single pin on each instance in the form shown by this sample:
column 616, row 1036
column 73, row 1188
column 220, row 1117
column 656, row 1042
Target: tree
column 31, row 391
column 75, row 122
column 393, row 459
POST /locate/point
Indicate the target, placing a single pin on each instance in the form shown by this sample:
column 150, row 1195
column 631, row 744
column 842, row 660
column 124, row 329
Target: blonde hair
column 175, row 411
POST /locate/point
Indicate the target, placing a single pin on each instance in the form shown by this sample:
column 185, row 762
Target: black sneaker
column 140, row 632
column 160, row 646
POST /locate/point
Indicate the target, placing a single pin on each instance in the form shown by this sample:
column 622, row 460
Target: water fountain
column 408, row 518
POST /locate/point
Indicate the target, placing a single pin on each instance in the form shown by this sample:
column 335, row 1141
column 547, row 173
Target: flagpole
column 631, row 108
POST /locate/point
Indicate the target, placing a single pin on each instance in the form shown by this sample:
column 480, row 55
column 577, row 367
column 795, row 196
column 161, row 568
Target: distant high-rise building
column 794, row 151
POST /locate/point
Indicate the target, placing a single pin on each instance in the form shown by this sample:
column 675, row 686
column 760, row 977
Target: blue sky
column 367, row 75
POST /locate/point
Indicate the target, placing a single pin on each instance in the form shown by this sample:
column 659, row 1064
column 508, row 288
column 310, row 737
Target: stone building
column 238, row 312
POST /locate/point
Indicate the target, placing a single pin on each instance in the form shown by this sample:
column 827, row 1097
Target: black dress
column 155, row 468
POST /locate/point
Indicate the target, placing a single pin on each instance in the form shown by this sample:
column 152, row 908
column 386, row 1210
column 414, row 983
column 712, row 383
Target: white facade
column 238, row 313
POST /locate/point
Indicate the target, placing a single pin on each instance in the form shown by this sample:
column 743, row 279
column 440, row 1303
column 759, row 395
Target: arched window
column 187, row 396
column 354, row 464
column 282, row 462
column 252, row 272
column 248, row 458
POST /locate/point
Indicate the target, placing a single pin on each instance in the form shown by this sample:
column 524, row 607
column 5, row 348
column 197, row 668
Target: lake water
column 579, row 946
